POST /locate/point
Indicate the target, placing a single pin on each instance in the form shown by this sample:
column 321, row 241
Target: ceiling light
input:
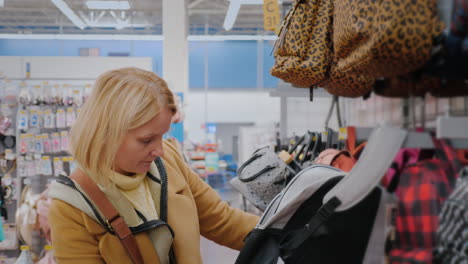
column 2, row 3
column 108, row 5
column 231, row 14
column 233, row 10
column 60, row 4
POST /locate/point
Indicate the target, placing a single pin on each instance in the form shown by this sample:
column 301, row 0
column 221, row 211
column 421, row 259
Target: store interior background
column 229, row 97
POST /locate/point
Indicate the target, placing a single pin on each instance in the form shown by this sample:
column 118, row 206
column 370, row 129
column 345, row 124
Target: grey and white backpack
column 325, row 215
column 452, row 234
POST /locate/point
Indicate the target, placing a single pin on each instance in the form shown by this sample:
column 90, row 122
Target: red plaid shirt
column 423, row 188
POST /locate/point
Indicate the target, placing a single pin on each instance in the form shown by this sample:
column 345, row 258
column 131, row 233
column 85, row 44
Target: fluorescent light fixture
column 108, row 5
column 136, row 37
column 231, row 14
column 233, row 11
column 60, row 4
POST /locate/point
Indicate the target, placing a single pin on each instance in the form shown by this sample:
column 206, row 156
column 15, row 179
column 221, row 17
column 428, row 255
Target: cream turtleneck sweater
column 135, row 188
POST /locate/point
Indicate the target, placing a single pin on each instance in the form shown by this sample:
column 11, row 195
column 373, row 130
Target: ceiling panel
column 145, row 17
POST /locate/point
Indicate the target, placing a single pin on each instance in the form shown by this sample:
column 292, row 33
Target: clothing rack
column 454, row 129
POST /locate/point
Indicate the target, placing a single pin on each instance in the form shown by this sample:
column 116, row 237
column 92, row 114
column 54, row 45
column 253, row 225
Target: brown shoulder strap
column 113, row 220
column 351, row 140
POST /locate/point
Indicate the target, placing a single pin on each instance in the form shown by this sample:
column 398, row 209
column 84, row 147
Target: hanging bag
column 264, row 174
column 303, row 49
column 348, row 84
column 407, row 85
column 384, row 38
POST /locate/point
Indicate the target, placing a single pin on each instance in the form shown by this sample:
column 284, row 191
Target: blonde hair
column 121, row 100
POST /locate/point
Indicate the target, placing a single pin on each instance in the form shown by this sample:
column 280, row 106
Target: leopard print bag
column 407, row 85
column 384, row 38
column 348, row 84
column 303, row 51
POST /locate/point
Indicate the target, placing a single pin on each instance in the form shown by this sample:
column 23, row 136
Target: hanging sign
column 271, row 15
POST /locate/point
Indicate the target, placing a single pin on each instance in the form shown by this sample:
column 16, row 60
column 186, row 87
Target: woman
column 117, row 141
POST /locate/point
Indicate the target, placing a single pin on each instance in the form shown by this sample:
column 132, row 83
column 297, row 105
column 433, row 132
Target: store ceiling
column 206, row 17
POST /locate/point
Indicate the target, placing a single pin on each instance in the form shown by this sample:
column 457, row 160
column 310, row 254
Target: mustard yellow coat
column 194, row 209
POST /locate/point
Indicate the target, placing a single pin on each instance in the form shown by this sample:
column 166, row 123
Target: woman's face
column 142, row 145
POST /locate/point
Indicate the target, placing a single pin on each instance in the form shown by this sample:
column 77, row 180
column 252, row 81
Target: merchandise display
column 386, row 182
column 35, row 119
column 25, row 256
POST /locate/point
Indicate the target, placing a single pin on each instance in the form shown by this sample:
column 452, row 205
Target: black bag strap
column 383, row 145
column 293, row 239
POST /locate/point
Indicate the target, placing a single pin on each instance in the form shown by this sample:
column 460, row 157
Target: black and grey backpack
column 325, row 215
column 452, row 234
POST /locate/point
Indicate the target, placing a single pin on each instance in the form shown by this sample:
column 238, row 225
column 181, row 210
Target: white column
column 175, row 47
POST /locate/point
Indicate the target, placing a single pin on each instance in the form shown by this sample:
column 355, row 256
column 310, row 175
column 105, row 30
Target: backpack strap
column 382, row 147
column 113, row 220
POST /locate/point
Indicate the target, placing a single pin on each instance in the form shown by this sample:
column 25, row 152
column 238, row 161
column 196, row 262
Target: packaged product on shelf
column 37, row 165
column 9, row 155
column 46, row 166
column 55, row 92
column 30, row 166
column 23, row 144
column 8, row 114
column 24, row 96
column 39, row 143
column 49, row 119
column 67, row 95
column 37, row 95
column 61, row 119
column 21, row 167
column 77, row 95
column 71, row 116
column 25, row 256
column 23, row 118
column 48, row 97
column 64, row 141
column 55, row 142
column 10, row 187
column 58, row 166
column 72, row 164
column 40, row 121
column 30, row 142
column 11, row 239
column 46, row 143
column 33, row 118
column 5, row 123
column 10, row 96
